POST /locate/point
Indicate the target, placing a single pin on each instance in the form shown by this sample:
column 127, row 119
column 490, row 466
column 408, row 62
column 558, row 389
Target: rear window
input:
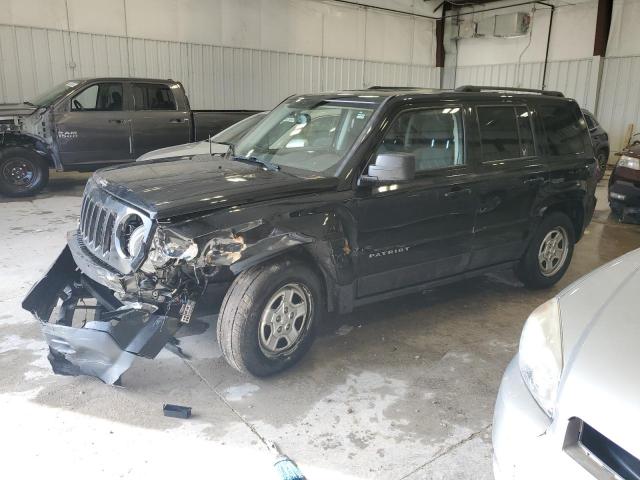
column 505, row 132
column 566, row 129
column 148, row 96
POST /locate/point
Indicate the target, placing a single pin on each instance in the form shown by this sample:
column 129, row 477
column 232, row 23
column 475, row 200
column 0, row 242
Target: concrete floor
column 398, row 390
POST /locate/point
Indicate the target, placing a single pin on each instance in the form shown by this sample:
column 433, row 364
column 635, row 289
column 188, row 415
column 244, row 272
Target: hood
column 601, row 334
column 16, row 109
column 184, row 150
column 180, row 186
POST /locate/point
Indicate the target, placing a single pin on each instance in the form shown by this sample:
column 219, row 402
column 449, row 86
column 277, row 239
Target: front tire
column 549, row 254
column 22, row 172
column 268, row 317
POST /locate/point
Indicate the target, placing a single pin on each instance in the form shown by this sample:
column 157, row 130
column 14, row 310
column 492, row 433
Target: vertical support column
column 440, row 51
column 603, row 24
column 595, row 78
column 440, row 38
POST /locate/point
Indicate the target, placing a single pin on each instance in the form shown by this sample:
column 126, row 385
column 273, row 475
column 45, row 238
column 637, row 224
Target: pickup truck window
column 433, row 136
column 99, row 97
column 566, row 130
column 153, row 96
column 313, row 138
column 506, row 133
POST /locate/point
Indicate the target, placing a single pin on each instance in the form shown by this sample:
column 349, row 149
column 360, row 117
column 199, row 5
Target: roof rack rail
column 381, row 87
column 475, row 88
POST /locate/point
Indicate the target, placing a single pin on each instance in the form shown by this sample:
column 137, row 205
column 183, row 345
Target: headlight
column 540, row 354
column 130, row 235
column 629, row 162
column 169, row 246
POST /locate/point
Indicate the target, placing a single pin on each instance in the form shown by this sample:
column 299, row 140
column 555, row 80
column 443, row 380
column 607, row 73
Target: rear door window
column 565, row 129
column 505, row 132
column 152, row 96
column 432, row 135
column 98, row 97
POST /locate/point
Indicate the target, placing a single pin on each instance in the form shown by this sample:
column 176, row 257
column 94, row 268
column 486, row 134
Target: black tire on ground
column 603, row 158
column 22, row 172
column 531, row 270
column 240, row 319
column 617, row 211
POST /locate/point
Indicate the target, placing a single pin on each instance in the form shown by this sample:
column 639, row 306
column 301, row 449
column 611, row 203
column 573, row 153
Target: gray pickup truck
column 82, row 125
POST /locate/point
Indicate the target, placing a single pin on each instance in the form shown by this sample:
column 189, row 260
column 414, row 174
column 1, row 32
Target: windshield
column 235, row 132
column 46, row 98
column 312, row 135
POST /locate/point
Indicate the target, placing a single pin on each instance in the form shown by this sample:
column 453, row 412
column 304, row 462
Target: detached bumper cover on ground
column 104, row 346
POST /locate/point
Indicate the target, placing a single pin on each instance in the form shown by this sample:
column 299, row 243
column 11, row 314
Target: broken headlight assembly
column 167, row 246
column 540, row 354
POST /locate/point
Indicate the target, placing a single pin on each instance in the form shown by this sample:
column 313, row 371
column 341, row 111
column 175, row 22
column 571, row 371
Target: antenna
column 210, row 152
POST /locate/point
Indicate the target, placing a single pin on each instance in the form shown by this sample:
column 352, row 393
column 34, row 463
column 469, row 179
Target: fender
column 572, row 203
column 322, row 235
column 31, row 142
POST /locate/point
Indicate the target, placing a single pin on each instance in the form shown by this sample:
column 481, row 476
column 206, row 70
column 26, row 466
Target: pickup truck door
column 415, row 232
column 510, row 178
column 160, row 118
column 92, row 128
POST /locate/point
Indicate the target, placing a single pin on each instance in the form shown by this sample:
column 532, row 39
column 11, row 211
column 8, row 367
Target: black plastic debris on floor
column 177, row 411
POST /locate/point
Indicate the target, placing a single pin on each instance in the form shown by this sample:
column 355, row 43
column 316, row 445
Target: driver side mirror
column 390, row 168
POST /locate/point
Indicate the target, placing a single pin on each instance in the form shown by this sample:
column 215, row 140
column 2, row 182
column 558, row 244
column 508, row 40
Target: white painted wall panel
column 33, row 59
column 619, row 103
column 572, row 77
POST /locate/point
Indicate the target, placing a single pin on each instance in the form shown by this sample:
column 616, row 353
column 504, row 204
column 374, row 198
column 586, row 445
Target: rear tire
column 268, row 317
column 22, row 172
column 603, row 158
column 549, row 254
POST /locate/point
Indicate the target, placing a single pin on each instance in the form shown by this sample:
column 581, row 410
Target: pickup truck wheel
column 548, row 256
column 22, row 173
column 268, row 316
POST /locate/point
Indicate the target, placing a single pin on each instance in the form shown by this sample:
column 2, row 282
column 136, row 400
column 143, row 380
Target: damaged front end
column 90, row 331
column 103, row 302
column 126, row 281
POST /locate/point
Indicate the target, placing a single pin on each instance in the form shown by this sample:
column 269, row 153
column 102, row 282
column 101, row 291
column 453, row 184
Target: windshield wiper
column 231, row 154
column 27, row 102
column 266, row 164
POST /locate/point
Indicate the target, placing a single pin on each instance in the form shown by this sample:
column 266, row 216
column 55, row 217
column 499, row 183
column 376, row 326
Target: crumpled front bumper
column 104, row 345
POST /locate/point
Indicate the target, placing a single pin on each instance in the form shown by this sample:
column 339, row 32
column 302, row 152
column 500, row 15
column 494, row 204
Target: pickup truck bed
column 210, row 122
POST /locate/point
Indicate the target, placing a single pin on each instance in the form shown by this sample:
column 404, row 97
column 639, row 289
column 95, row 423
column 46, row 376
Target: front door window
column 433, row 136
column 99, row 98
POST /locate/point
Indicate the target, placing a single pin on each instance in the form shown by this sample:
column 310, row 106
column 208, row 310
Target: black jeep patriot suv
column 332, row 201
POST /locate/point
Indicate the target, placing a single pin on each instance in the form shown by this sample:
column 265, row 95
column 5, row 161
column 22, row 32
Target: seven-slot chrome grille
column 105, row 227
column 97, row 225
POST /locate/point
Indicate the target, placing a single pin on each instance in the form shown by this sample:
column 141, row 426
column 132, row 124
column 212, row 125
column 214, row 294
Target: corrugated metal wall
column 619, row 102
column 569, row 76
column 34, row 59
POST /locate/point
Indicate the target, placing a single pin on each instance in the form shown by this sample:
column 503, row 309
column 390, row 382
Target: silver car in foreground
column 569, row 402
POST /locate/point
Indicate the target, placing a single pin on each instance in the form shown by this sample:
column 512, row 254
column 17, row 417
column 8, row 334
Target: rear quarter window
column 506, row 132
column 565, row 128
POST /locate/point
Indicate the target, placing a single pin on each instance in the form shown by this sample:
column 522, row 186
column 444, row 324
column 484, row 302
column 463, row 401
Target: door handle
column 533, row 180
column 115, row 120
column 457, row 192
column 178, row 120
